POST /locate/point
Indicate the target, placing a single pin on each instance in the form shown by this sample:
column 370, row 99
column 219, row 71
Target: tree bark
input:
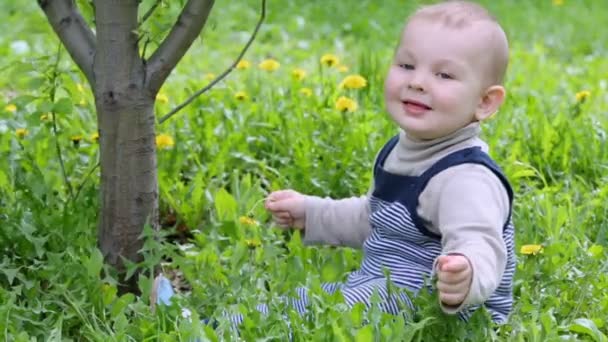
column 71, row 28
column 125, row 90
column 125, row 116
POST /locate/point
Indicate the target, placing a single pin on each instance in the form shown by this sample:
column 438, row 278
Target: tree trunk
column 125, row 112
column 125, row 88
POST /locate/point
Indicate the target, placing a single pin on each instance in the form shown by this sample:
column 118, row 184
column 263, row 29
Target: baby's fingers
column 452, row 278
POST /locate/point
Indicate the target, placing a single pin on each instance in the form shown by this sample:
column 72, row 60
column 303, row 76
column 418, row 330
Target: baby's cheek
column 392, row 84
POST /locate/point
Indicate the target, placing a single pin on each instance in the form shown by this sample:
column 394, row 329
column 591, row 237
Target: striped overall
column 400, row 242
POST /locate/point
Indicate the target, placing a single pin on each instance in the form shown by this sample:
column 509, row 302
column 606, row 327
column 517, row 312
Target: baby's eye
column 445, row 75
column 406, row 66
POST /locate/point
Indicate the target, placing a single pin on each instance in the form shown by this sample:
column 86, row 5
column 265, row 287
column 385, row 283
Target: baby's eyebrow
column 405, row 53
column 449, row 63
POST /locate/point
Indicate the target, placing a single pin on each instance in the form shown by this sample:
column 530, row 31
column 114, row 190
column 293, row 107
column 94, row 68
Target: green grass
column 229, row 153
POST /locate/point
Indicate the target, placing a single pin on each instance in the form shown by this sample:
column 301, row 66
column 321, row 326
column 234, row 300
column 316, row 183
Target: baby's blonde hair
column 460, row 14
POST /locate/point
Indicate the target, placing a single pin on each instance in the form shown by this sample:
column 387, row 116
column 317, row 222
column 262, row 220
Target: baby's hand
column 287, row 208
column 454, row 275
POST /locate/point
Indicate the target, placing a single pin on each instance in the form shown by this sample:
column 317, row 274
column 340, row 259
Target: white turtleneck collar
column 412, row 157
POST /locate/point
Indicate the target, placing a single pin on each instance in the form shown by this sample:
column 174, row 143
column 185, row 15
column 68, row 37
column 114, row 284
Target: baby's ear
column 492, row 98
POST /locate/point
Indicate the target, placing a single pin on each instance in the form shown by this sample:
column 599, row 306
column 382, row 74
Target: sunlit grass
column 286, row 119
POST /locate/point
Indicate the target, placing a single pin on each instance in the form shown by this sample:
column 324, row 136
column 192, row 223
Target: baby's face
column 436, row 81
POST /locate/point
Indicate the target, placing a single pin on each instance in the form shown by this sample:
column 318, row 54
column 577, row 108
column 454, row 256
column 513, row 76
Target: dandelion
column 162, row 98
column 76, row 139
column 269, row 65
column 11, row 108
column 342, row 68
column 95, row 137
column 330, row 60
column 243, row 64
column 581, row 96
column 46, row 117
column 164, row 141
column 353, row 82
column 346, row 104
column 241, row 95
column 558, row 2
column 247, row 221
column 306, row 92
column 21, row 132
column 531, row 249
column 253, row 243
column 298, row 73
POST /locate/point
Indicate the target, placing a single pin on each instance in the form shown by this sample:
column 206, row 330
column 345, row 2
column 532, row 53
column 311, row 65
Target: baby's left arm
column 468, row 205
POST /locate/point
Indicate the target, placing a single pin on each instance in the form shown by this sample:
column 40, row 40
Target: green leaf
column 121, row 303
column 10, row 274
column 365, row 334
column 225, row 205
column 596, row 251
column 587, row 327
column 94, row 263
column 63, row 106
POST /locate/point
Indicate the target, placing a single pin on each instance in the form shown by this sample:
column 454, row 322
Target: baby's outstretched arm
column 468, row 206
column 287, row 208
column 343, row 222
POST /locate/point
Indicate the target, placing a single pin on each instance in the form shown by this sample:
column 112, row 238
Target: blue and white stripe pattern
column 400, row 243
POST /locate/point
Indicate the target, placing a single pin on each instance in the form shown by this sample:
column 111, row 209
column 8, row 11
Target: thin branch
column 149, row 13
column 191, row 21
column 84, row 181
column 55, row 73
column 223, row 74
column 73, row 31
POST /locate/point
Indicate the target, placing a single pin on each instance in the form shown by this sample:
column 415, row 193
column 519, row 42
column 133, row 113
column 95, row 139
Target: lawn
column 261, row 130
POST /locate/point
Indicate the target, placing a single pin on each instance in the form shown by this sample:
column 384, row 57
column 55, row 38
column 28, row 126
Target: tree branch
column 188, row 26
column 149, row 13
column 73, row 31
column 223, row 74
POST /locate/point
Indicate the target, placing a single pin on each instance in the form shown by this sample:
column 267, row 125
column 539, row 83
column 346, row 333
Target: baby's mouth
column 415, row 108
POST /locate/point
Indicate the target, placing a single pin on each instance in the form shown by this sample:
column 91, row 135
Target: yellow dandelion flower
column 76, row 139
column 342, row 68
column 241, row 95
column 582, row 95
column 558, row 2
column 269, row 65
column 306, row 92
column 346, row 104
column 21, row 132
column 531, row 249
column 243, row 64
column 330, row 60
column 298, row 73
column 11, row 108
column 162, row 98
column 95, row 137
column 253, row 243
column 164, row 141
column 353, row 82
column 46, row 117
column 247, row 221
